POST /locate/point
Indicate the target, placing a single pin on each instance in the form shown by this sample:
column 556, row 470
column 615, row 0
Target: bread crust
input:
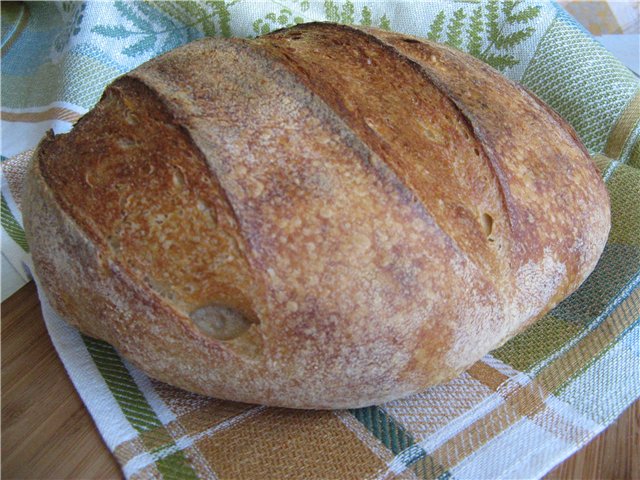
column 273, row 221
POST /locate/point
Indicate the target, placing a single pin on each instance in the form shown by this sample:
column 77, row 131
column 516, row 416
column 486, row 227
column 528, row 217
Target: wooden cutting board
column 47, row 432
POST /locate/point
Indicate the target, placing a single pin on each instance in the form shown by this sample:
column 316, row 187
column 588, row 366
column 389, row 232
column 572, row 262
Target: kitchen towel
column 515, row 414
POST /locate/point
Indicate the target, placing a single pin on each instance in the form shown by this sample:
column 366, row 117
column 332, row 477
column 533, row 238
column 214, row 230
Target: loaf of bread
column 323, row 217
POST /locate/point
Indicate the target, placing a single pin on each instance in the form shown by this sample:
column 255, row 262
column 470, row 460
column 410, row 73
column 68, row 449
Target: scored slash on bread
column 323, row 217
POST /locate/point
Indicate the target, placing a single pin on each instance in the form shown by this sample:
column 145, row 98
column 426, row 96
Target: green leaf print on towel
column 489, row 32
column 73, row 14
column 346, row 14
column 293, row 13
column 286, row 17
column 155, row 27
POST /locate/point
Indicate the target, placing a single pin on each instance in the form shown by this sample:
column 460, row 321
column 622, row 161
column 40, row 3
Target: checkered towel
column 516, row 413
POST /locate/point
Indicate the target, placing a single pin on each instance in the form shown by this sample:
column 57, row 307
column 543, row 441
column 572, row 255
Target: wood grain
column 615, row 453
column 47, row 432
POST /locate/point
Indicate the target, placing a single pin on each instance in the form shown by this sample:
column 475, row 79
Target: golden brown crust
column 542, row 165
column 274, row 221
column 416, row 130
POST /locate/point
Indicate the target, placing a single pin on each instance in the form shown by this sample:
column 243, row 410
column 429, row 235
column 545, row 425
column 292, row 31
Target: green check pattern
column 134, row 405
column 12, row 227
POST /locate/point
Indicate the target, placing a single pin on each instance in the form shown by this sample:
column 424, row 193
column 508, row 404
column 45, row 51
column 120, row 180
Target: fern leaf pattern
column 347, row 13
column 505, row 42
column 331, row 11
column 492, row 30
column 112, row 31
column 366, row 16
column 221, row 9
column 508, row 6
column 454, row 30
column 160, row 26
column 474, row 45
column 128, row 11
column 145, row 44
column 166, row 22
column 501, row 62
column 202, row 16
column 73, row 13
column 493, row 18
column 292, row 13
column 436, row 27
column 525, row 15
column 385, row 23
column 286, row 17
column 173, row 12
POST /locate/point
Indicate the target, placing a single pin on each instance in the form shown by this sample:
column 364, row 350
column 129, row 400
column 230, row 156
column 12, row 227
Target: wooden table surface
column 47, row 432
